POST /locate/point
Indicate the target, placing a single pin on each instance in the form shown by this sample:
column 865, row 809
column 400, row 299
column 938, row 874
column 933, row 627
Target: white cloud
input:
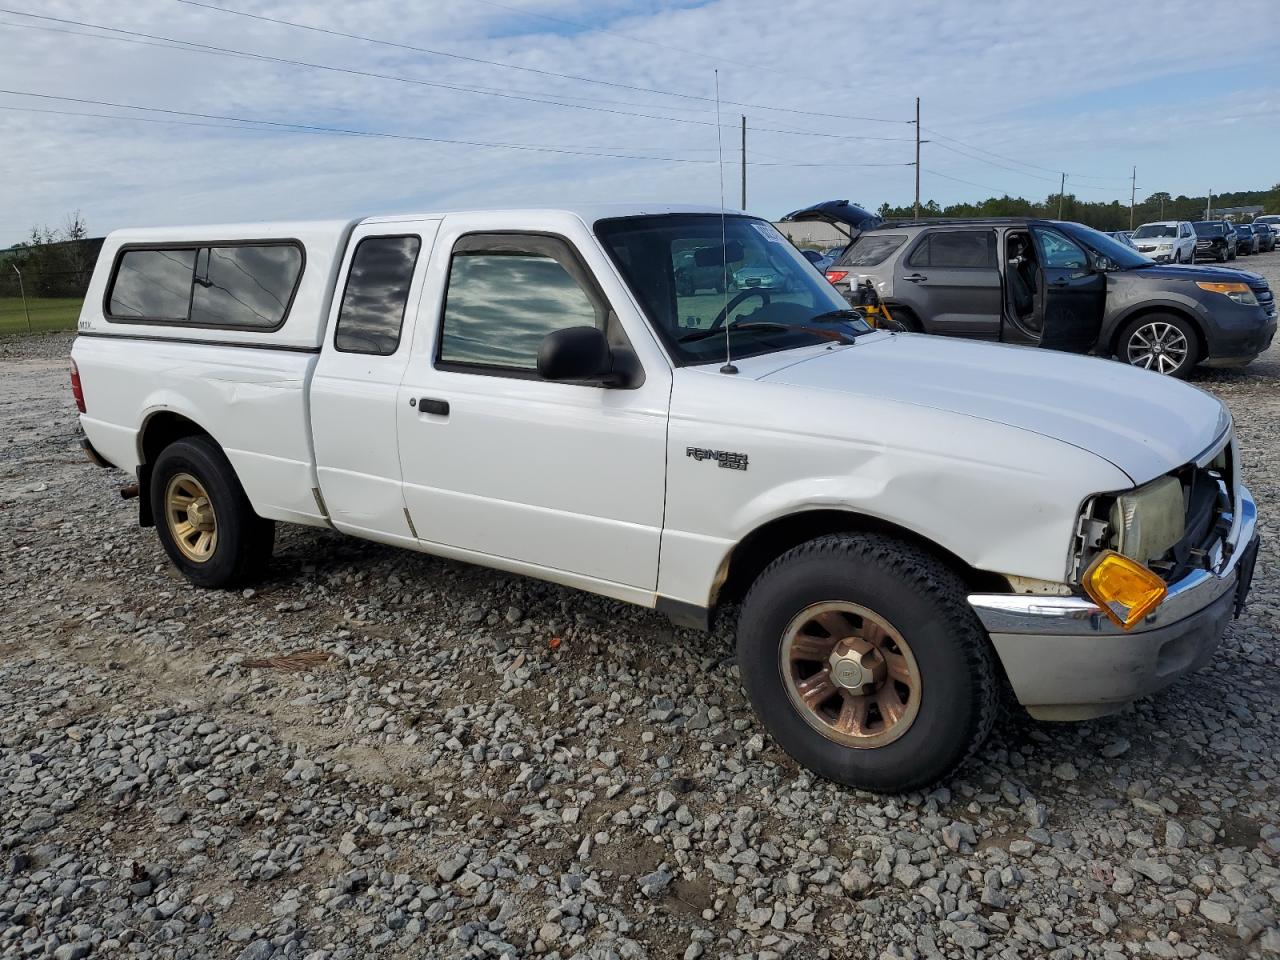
column 1090, row 87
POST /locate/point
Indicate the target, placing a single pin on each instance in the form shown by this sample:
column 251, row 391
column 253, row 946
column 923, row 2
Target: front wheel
column 862, row 657
column 1161, row 342
column 205, row 522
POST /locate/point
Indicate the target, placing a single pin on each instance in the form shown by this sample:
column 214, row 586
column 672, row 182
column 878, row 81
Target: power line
column 190, row 46
column 1023, row 163
column 284, row 126
column 577, row 78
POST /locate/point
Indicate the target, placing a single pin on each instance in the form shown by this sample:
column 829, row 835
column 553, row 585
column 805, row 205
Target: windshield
column 685, row 276
column 1150, row 230
column 1122, row 255
column 1208, row 228
column 1268, row 218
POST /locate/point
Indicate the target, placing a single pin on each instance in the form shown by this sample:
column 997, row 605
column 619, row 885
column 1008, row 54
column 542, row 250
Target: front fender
column 1186, row 306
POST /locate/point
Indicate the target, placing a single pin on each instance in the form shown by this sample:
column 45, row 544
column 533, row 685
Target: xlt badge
column 726, row 458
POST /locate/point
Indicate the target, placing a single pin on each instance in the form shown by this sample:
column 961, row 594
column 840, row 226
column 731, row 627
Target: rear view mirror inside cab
column 733, row 252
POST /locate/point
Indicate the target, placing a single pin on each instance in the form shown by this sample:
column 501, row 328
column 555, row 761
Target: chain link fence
column 43, row 285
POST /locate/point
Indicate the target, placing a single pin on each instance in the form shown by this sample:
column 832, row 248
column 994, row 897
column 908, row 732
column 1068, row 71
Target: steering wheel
column 760, row 292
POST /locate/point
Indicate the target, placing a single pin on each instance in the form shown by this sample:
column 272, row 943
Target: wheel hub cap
column 857, row 666
column 192, row 521
column 850, row 674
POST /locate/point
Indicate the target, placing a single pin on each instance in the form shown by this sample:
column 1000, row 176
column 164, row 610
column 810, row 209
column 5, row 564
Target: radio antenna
column 724, row 246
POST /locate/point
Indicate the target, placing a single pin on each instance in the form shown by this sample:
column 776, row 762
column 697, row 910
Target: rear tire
column 913, row 610
column 205, row 522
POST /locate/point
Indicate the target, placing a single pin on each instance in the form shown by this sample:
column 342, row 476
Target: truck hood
column 1143, row 423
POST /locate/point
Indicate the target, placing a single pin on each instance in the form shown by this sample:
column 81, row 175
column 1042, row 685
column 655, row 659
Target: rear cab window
column 247, row 285
column 376, row 294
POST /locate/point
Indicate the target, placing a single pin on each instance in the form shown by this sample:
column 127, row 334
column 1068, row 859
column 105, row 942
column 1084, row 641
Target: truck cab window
column 506, row 293
column 377, row 292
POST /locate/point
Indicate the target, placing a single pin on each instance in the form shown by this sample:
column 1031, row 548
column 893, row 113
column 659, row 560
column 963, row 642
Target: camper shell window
column 228, row 285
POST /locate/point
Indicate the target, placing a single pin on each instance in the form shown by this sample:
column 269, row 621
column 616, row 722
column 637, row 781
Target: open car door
column 1072, row 295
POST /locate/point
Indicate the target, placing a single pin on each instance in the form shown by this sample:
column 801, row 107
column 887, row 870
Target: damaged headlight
column 1146, row 522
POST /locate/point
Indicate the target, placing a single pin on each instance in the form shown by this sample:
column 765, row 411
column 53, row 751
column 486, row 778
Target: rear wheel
column 1161, row 342
column 862, row 657
column 203, row 518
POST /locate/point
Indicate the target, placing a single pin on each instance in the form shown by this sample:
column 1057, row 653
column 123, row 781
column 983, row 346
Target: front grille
column 1266, row 299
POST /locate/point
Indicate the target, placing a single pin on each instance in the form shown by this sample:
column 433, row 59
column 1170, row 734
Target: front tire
column 204, row 520
column 1163, row 343
column 863, row 659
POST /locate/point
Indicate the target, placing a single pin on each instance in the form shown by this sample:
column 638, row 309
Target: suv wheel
column 862, row 657
column 1161, row 342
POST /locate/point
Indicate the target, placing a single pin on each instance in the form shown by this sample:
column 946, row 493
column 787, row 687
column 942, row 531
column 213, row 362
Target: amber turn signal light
column 1125, row 589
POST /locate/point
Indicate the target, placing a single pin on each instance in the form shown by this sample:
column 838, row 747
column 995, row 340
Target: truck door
column 1072, row 295
column 951, row 281
column 354, row 390
column 505, row 467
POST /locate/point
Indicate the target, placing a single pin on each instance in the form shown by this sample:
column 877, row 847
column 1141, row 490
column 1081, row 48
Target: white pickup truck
column 908, row 523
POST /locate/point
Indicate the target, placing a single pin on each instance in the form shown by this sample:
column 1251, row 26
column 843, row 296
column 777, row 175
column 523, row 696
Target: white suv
column 1168, row 241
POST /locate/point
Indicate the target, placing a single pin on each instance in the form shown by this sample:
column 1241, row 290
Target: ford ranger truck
column 906, row 524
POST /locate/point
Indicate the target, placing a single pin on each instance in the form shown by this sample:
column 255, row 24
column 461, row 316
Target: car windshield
column 1122, row 255
column 1243, row 228
column 693, row 284
column 1150, row 231
column 1208, row 228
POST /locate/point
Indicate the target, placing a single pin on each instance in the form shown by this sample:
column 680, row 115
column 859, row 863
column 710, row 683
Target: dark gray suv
column 1058, row 285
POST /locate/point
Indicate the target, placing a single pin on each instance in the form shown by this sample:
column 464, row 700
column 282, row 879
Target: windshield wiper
column 767, row 326
column 831, row 316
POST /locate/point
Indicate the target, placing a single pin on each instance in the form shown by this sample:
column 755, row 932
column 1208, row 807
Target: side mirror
column 576, row 354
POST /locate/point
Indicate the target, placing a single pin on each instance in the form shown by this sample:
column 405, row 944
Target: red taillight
column 835, row 276
column 77, row 391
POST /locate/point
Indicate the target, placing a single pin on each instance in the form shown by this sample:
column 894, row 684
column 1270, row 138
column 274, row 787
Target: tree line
column 1101, row 215
column 52, row 261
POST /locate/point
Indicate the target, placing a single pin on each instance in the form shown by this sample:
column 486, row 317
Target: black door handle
column 438, row 407
column 1058, row 283
column 916, row 277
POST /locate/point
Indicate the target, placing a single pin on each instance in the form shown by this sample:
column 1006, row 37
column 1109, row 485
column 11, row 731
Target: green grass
column 46, row 314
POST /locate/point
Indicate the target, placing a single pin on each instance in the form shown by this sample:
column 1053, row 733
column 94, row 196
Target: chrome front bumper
column 1067, row 660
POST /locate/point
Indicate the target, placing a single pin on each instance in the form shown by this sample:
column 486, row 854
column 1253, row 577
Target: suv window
column 956, row 249
column 506, row 293
column 1059, row 252
column 229, row 285
column 869, row 250
column 377, row 292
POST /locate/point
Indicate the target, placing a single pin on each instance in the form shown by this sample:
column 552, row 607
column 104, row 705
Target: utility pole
column 1133, row 195
column 744, row 162
column 1061, row 190
column 1208, row 209
column 916, row 213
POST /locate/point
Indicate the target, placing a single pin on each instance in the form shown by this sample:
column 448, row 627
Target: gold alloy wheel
column 192, row 522
column 850, row 674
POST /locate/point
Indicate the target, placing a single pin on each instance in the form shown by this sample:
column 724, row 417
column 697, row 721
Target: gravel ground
column 376, row 753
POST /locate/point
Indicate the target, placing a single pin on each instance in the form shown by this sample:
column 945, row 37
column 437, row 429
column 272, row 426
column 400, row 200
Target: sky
column 1012, row 92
